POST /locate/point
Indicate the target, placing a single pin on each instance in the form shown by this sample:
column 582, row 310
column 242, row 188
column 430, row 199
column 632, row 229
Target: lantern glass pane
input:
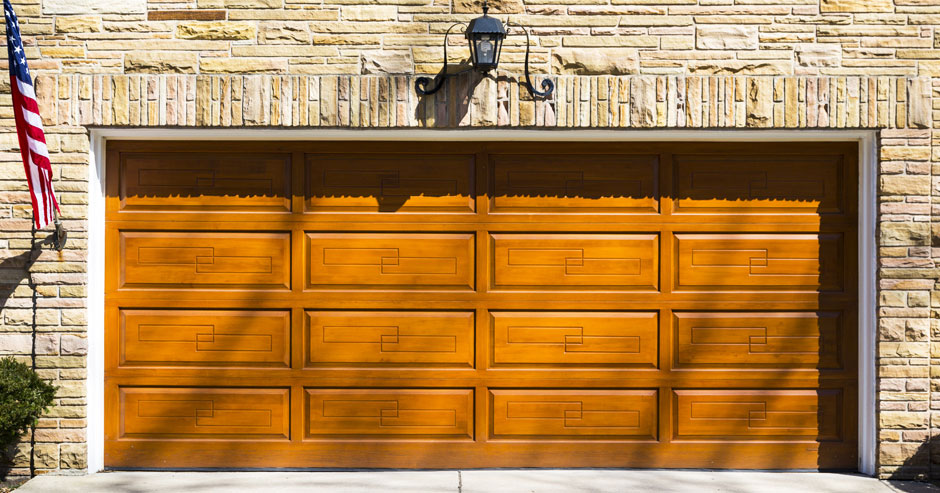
column 486, row 50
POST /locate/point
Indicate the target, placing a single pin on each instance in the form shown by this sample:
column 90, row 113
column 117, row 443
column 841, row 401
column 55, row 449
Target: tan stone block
column 369, row 13
column 594, row 61
column 827, row 6
column 905, row 153
column 242, row 66
column 284, row 51
column 387, row 62
column 496, row 7
column 77, row 24
column 717, row 37
column 643, row 102
column 903, row 350
column 240, row 4
column 739, row 67
column 63, row 51
column 216, row 30
column 73, row 456
column 903, row 420
column 905, row 185
column 611, row 41
column 321, row 14
column 160, row 63
column 284, row 33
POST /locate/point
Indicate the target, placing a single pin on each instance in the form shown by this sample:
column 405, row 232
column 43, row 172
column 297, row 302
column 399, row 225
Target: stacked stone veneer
column 788, row 64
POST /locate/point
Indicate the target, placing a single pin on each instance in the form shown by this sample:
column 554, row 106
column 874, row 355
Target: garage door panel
column 205, row 413
column 381, row 260
column 390, row 413
column 780, row 262
column 575, row 261
column 574, row 184
column 573, row 414
column 205, row 338
column 390, row 183
column 390, row 338
column 759, row 339
column 615, row 339
column 180, row 260
column 759, row 184
column 249, row 182
column 797, row 415
column 481, row 304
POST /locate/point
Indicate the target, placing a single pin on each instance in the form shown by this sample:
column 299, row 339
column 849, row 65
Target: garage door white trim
column 868, row 167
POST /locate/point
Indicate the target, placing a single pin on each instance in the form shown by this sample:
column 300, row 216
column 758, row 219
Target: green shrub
column 23, row 398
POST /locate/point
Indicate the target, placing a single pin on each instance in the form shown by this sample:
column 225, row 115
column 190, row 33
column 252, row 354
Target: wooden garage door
column 444, row 305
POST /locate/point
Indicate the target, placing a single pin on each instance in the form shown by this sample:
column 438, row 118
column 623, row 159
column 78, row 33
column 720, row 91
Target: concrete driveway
column 475, row 481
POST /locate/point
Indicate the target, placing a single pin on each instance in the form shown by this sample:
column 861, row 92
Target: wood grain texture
column 574, row 414
column 481, row 304
column 390, row 413
column 214, row 338
column 390, row 183
column 205, row 413
column 181, row 260
column 161, row 181
column 370, row 338
column 574, row 184
column 575, row 261
column 759, row 339
column 404, row 261
column 575, row 338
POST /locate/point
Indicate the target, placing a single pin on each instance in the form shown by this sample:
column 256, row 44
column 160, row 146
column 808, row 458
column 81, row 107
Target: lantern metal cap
column 485, row 25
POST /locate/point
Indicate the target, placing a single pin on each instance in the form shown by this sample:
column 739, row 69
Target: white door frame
column 868, row 166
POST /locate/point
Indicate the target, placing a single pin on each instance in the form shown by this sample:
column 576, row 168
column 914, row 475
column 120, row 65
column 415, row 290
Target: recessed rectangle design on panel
column 574, row 414
column 575, row 183
column 759, row 340
column 205, row 181
column 760, row 262
column 602, row 262
column 386, row 338
column 621, row 339
column 735, row 184
column 390, row 413
column 224, row 260
column 214, row 338
column 406, row 261
column 778, row 415
column 205, row 413
column 390, row 183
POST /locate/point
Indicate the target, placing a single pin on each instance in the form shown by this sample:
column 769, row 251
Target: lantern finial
column 486, row 7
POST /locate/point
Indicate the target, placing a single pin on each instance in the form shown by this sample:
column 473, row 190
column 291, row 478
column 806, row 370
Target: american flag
column 29, row 126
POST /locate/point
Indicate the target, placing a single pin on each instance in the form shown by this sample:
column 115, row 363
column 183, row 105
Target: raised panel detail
column 726, row 183
column 575, row 183
column 364, row 338
column 575, row 261
column 573, row 414
column 758, row 340
column 382, row 260
column 390, row 413
column 390, row 183
column 214, row 413
column 797, row 415
column 217, row 338
column 575, row 338
column 754, row 262
column 174, row 181
column 205, row 260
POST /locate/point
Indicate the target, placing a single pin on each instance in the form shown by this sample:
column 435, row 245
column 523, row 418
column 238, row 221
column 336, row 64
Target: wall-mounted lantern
column 485, row 36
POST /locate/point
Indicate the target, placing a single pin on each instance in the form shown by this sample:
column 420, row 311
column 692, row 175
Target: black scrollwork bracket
column 421, row 83
column 547, row 85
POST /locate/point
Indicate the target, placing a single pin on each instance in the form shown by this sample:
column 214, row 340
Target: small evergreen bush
column 23, row 398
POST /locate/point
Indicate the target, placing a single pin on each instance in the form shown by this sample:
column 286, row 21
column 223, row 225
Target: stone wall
column 617, row 64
